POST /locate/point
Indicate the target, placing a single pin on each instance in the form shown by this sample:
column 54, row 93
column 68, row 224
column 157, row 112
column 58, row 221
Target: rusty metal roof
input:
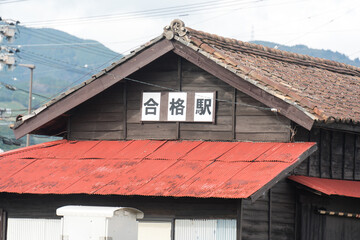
column 150, row 168
column 330, row 186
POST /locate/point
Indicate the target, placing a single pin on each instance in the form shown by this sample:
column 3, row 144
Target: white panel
column 201, row 229
column 154, row 231
column 204, row 107
column 195, row 229
column 33, row 229
column 226, row 229
column 177, row 106
column 150, row 106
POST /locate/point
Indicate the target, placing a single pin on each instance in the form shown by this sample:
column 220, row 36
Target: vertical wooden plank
column 125, row 109
column 357, row 158
column 68, row 128
column 234, row 114
column 325, row 150
column 239, row 218
column 302, row 135
column 337, row 155
column 172, row 229
column 349, row 157
column 179, row 82
column 314, row 158
column 3, row 224
column 269, row 215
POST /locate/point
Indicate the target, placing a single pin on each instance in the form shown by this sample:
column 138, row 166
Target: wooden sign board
column 178, row 106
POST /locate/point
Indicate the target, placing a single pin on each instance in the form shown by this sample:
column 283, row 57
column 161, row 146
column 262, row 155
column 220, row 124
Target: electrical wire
column 156, row 12
column 13, row 88
column 56, row 38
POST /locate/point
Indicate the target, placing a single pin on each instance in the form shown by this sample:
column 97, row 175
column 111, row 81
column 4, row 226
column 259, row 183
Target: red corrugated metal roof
column 330, row 186
column 149, row 168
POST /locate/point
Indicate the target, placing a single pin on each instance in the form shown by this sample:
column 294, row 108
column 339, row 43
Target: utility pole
column 31, row 67
column 7, row 58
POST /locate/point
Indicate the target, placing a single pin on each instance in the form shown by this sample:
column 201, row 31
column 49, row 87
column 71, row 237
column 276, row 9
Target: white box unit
column 99, row 223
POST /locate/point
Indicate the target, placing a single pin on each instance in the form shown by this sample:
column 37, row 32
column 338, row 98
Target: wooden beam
column 344, row 127
column 239, row 217
column 286, row 109
column 233, row 129
column 269, row 215
column 105, row 81
column 125, row 109
column 179, row 84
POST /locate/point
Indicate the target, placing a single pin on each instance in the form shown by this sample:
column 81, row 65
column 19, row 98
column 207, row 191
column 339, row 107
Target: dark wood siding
column 271, row 216
column 314, row 226
column 259, row 124
column 103, row 116
column 99, row 118
column 44, row 206
column 337, row 155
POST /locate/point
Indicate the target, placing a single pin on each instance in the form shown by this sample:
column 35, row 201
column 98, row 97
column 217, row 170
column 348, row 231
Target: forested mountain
column 320, row 53
column 63, row 60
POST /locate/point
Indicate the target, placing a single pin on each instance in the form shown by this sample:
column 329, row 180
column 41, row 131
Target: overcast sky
column 122, row 25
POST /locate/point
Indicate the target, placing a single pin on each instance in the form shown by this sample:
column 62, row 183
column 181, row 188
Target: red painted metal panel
column 330, row 186
column 210, row 179
column 285, row 152
column 103, row 173
column 209, row 151
column 247, row 151
column 106, row 149
column 71, row 149
column 174, row 176
column 33, row 152
column 130, row 181
column 146, row 167
column 250, row 179
column 10, row 166
column 174, row 150
column 139, row 149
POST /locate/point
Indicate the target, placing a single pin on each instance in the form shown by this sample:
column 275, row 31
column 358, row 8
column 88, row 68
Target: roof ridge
column 276, row 53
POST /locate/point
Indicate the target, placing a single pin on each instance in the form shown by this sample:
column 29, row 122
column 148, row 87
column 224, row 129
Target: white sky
column 322, row 24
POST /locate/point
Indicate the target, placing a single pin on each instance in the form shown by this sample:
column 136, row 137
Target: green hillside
column 61, row 61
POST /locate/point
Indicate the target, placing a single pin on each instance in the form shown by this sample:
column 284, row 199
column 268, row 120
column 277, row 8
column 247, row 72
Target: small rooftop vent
column 99, row 223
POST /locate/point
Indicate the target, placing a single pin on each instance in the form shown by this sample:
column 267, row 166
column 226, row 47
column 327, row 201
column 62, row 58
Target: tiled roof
column 326, row 89
column 150, row 168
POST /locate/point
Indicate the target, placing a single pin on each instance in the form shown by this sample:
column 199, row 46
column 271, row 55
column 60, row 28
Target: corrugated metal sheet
column 330, row 186
column 33, row 229
column 204, row 229
column 148, row 168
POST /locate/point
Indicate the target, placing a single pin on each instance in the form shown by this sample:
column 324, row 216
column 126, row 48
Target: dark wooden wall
column 272, row 216
column 313, row 226
column 115, row 113
column 44, row 206
column 337, row 157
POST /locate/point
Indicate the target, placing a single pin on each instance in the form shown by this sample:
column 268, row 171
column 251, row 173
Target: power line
column 147, row 13
column 321, row 26
column 13, row 88
column 61, row 39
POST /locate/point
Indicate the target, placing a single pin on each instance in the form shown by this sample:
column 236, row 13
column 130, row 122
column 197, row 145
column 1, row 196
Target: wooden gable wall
column 115, row 113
